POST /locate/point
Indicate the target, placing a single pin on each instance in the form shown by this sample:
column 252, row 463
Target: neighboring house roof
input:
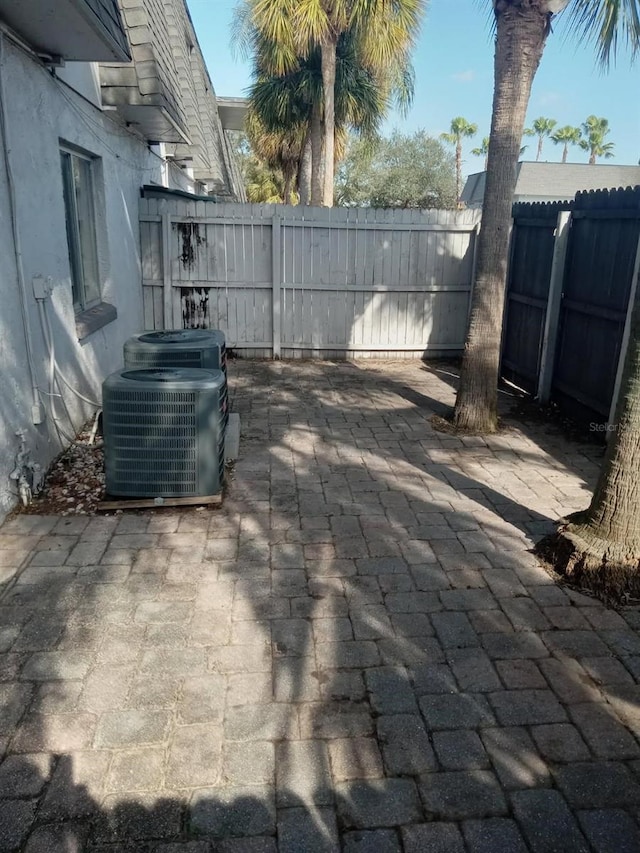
column 555, row 181
column 473, row 190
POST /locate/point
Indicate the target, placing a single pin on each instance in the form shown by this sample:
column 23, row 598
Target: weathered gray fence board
column 340, row 281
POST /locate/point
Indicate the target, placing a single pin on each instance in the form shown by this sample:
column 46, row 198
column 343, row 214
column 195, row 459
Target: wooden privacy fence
column 572, row 276
column 288, row 281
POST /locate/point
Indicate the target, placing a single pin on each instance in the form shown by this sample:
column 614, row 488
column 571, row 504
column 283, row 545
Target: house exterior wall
column 167, row 92
column 41, row 111
column 211, row 162
column 83, row 78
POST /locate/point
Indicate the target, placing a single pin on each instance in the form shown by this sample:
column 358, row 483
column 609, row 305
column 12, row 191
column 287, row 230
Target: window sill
column 89, row 321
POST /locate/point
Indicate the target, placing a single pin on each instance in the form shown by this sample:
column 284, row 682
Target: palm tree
column 541, row 127
column 290, row 29
column 521, row 30
column 460, row 128
column 482, row 150
column 595, row 129
column 263, row 185
column 566, row 136
column 280, row 151
column 287, row 102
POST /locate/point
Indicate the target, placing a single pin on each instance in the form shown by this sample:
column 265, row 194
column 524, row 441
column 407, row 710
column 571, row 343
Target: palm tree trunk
column 592, row 158
column 458, row 170
column 289, row 175
column 521, row 31
column 614, row 513
column 539, row 151
column 316, row 156
column 565, row 151
column 304, row 172
column 600, row 548
column 328, row 61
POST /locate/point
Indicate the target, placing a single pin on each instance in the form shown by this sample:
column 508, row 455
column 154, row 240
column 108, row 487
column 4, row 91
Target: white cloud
column 464, row 76
column 549, row 99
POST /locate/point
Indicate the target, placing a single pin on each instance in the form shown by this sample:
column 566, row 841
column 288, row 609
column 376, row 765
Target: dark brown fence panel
column 532, row 246
column 603, row 241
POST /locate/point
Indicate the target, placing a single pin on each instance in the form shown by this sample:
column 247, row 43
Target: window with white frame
column 78, row 178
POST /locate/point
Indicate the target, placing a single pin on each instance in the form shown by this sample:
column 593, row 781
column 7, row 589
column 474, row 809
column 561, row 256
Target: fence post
column 166, row 268
column 556, row 284
column 474, row 261
column 625, row 340
column 513, row 226
column 276, row 276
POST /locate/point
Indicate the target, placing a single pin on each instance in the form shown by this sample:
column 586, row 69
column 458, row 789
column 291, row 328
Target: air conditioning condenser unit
column 164, row 431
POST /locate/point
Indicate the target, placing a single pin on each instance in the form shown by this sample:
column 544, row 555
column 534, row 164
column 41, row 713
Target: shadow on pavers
column 398, row 626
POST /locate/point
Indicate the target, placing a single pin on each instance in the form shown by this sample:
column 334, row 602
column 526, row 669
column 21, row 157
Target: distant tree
column 281, row 150
column 482, row 150
column 262, row 183
column 595, row 129
column 541, row 127
column 408, row 171
column 460, row 128
column 566, row 136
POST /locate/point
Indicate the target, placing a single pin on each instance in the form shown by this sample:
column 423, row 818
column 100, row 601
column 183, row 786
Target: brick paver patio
column 358, row 652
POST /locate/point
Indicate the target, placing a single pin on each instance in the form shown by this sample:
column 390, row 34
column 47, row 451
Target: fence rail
column 300, row 281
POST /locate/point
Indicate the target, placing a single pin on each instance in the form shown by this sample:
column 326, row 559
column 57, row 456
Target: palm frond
column 607, row 24
column 242, row 31
column 568, row 134
column 312, row 22
column 482, row 149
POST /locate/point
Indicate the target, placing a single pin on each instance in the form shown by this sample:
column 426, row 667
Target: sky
column 453, row 62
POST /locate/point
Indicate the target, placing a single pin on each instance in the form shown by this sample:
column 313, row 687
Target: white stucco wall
column 84, row 78
column 41, row 112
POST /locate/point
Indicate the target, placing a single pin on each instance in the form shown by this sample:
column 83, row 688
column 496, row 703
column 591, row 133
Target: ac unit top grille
column 157, row 380
column 182, row 336
column 202, row 348
column 160, row 358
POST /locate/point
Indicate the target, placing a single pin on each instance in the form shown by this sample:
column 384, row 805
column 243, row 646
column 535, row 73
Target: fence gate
column 601, row 254
column 532, row 247
column 306, row 281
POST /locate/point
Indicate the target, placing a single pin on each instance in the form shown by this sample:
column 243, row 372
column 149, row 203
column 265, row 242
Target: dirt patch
column 527, row 411
column 441, row 424
column 74, row 483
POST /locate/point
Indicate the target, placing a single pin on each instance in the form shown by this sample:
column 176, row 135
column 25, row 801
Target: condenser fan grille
column 163, row 358
column 164, row 442
column 179, row 348
column 156, row 441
